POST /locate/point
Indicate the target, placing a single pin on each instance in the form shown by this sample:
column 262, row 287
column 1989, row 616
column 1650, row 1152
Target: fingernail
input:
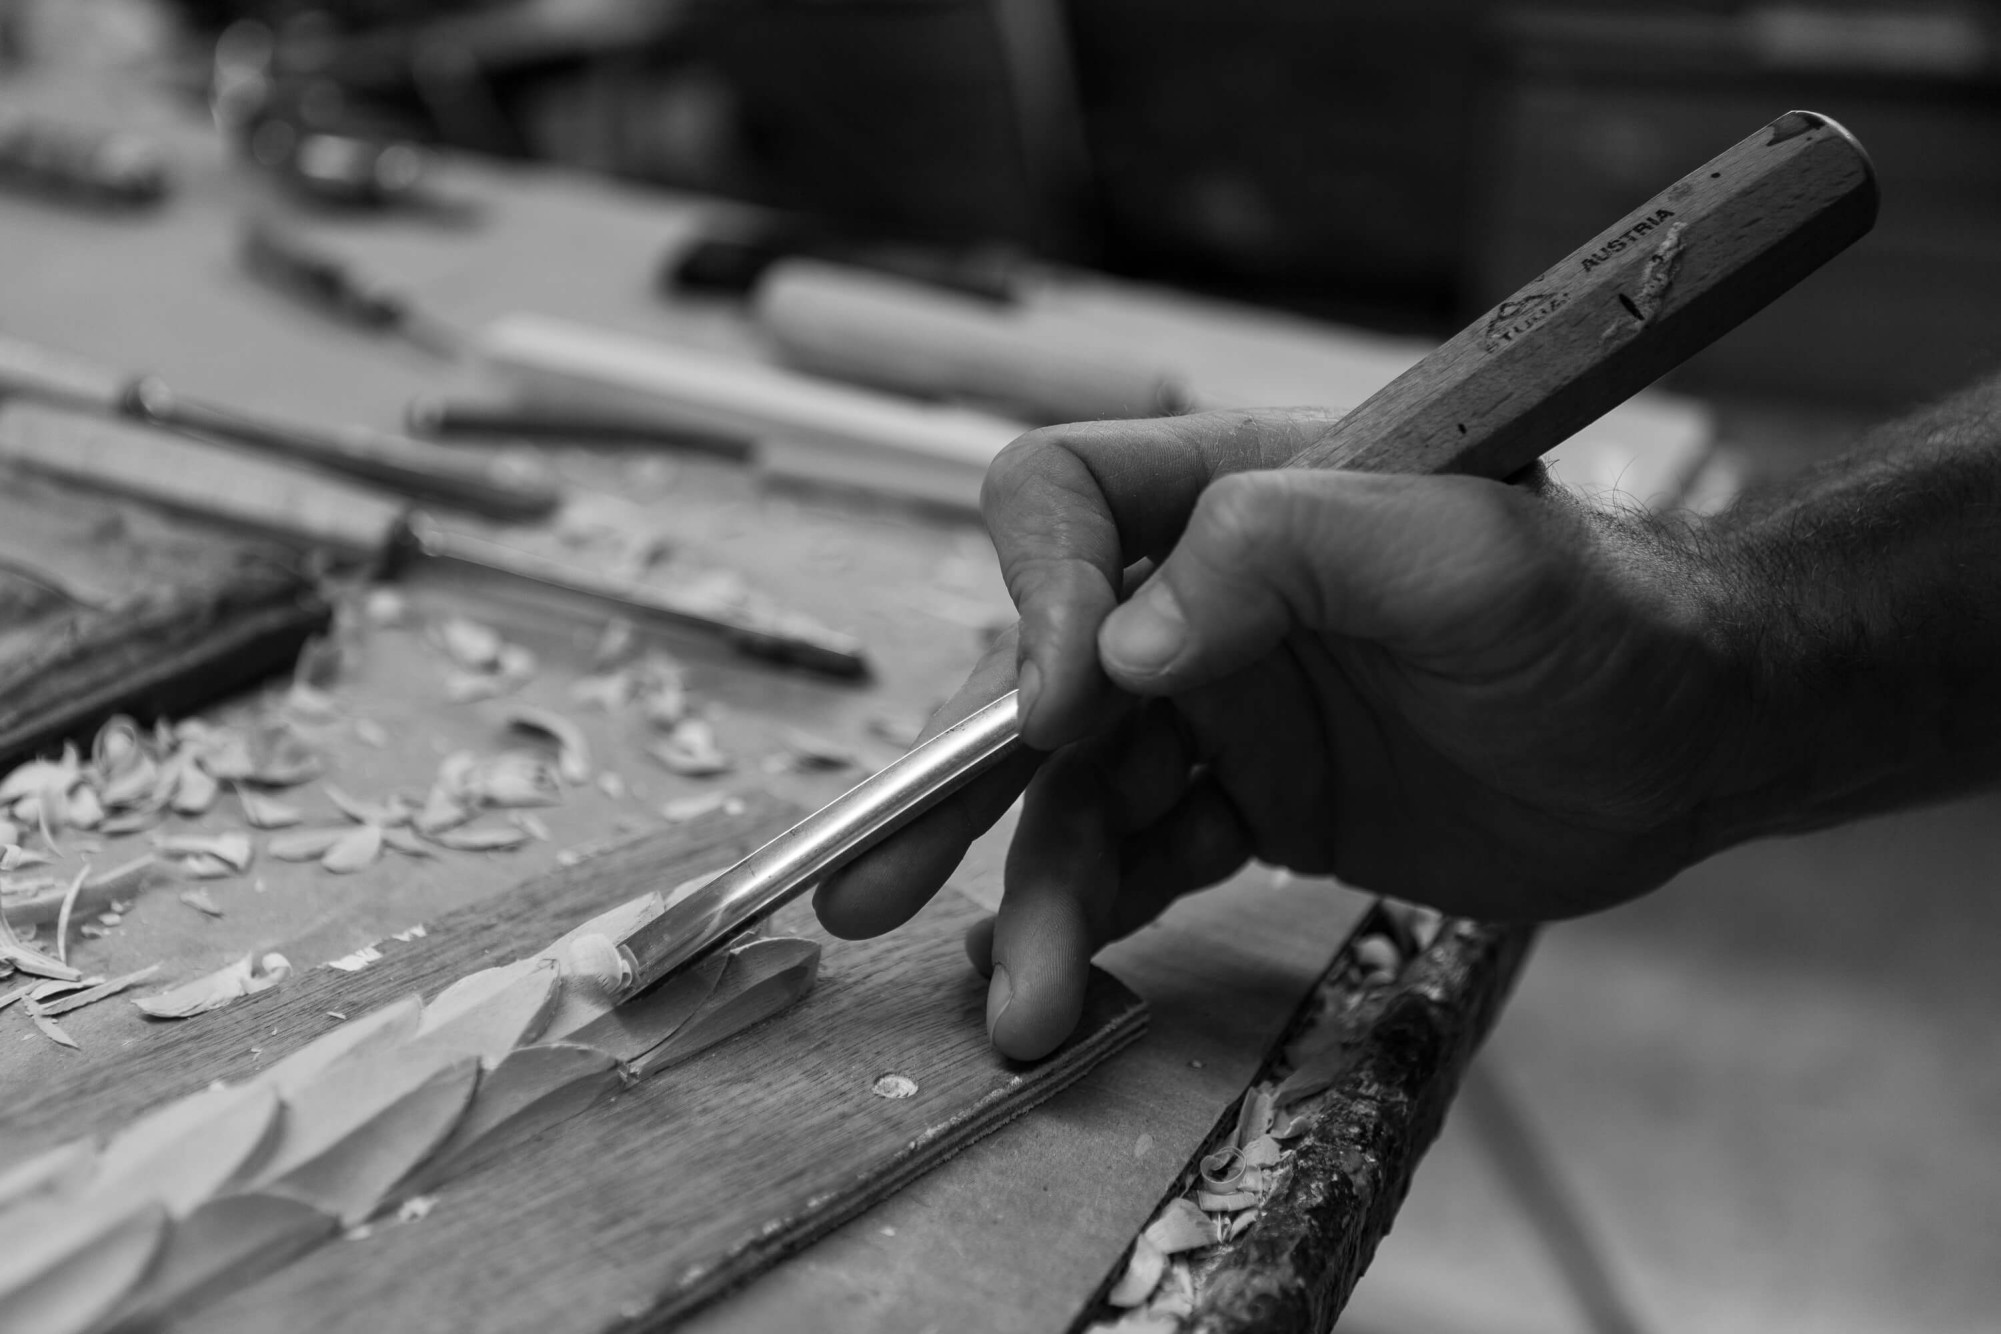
column 999, row 992
column 1148, row 633
column 1028, row 684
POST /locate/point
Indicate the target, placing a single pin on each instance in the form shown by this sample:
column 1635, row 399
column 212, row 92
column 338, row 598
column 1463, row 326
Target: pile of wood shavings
column 1191, row 1236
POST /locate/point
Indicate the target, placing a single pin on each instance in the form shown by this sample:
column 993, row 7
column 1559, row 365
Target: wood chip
column 381, row 813
column 304, row 845
column 356, row 850
column 234, row 849
column 246, row 977
column 52, row 1030
column 1142, row 1275
column 201, row 901
column 691, row 750
column 262, row 812
column 1180, row 1227
column 441, row 811
column 194, row 790
column 406, row 842
column 63, row 913
column 470, row 644
column 573, row 751
column 484, row 838
column 809, row 752
column 76, row 1000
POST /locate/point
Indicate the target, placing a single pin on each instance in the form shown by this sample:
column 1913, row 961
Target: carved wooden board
column 668, row 1194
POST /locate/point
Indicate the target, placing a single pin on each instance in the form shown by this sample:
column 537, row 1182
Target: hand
column 1489, row 698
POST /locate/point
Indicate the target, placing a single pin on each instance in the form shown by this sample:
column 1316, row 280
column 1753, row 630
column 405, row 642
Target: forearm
column 1861, row 610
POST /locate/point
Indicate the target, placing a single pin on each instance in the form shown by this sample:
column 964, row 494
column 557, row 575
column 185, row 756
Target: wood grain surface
column 649, row 1204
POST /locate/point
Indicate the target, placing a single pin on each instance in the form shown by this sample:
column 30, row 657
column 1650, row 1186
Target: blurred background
column 1767, row 1098
column 1398, row 164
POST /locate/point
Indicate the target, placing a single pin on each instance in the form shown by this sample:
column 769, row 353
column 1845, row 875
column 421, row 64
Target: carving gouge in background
column 1659, row 284
column 302, row 509
column 495, row 487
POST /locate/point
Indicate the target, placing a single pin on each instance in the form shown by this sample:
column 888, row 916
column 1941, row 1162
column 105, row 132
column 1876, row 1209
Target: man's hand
column 1480, row 696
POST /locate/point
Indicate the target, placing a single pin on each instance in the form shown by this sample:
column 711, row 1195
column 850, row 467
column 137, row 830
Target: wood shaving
column 683, row 809
column 530, row 824
column 470, row 644
column 195, row 790
column 63, row 913
column 355, row 850
column 366, row 812
column 608, row 691
column 1142, row 1274
column 691, row 750
column 262, row 812
column 52, row 1030
column 76, row 1000
column 246, row 977
column 573, row 752
column 233, row 849
column 416, row 1209
column 594, row 960
column 355, row 962
column 304, row 845
column 441, row 811
column 532, row 1089
column 201, row 902
column 27, row 959
column 224, row 1243
column 406, row 842
column 809, row 752
column 486, row 838
column 894, row 1086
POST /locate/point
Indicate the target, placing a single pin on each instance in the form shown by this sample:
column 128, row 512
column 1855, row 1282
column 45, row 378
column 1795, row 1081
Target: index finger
column 1070, row 507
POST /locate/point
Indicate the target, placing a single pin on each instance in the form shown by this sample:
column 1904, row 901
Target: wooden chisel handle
column 1657, row 285
column 1630, row 304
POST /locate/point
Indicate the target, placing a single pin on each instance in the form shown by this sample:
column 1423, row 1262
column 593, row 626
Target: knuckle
column 1243, row 514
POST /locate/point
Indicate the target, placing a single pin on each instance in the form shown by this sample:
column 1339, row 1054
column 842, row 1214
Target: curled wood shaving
column 573, row 752
column 63, row 913
column 1180, row 1227
column 246, row 977
column 894, row 1086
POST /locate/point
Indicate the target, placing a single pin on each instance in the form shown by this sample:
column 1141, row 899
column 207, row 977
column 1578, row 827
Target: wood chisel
column 498, row 488
column 323, row 513
column 1659, row 284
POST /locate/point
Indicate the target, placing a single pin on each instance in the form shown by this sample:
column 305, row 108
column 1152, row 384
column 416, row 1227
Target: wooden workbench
column 1022, row 1230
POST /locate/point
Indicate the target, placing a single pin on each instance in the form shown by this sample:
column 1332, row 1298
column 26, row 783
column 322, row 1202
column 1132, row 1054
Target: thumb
column 1418, row 563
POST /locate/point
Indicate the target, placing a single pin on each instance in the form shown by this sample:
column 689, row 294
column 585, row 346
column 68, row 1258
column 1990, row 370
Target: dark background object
column 1394, row 164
